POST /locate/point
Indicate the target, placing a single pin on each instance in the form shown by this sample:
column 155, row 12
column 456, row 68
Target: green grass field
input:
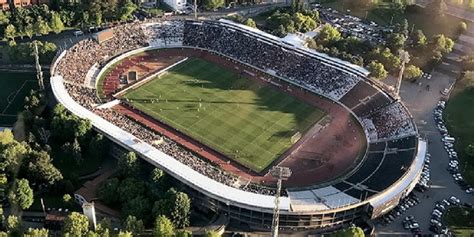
column 250, row 123
column 459, row 118
column 14, row 87
column 460, row 221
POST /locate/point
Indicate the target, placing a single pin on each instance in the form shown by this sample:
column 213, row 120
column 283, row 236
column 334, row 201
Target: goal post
column 295, row 137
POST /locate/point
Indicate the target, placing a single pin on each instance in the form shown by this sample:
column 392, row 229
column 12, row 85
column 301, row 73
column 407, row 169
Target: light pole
column 280, row 173
column 404, row 58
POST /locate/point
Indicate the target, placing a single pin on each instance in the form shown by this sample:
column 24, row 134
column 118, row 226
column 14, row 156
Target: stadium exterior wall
column 250, row 208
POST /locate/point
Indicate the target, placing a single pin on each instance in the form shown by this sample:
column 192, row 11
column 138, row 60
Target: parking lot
column 438, row 182
column 350, row 25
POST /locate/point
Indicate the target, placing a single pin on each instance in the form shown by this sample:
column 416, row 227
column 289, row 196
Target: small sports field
column 247, row 121
column 14, row 87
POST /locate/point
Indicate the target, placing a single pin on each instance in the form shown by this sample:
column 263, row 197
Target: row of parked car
column 424, row 182
column 436, row 221
column 453, row 165
column 409, row 222
column 410, row 201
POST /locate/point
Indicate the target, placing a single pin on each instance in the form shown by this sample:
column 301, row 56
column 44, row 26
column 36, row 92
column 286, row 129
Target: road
column 421, row 104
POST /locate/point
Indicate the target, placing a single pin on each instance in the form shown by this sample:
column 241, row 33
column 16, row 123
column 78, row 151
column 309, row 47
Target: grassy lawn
column 14, row 87
column 460, row 221
column 69, row 168
column 415, row 16
column 459, row 118
column 246, row 121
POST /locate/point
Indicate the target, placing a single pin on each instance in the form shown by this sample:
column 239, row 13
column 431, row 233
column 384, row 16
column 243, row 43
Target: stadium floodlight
column 280, row 173
column 39, row 72
column 404, row 58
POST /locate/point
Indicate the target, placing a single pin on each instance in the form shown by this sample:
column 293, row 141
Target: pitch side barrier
column 294, row 83
column 199, row 182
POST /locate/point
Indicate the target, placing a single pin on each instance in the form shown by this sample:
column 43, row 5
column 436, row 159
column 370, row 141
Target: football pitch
column 246, row 121
column 14, row 87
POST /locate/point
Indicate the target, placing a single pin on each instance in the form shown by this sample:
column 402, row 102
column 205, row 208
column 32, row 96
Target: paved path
column 421, row 103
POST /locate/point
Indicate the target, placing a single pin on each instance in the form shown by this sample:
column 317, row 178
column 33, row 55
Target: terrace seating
column 382, row 118
column 369, row 166
column 393, row 167
column 271, row 57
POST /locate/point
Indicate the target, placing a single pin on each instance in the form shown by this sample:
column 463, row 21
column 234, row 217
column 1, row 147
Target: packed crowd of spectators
column 164, row 33
column 87, row 52
column 389, row 122
column 273, row 57
column 76, row 63
column 392, row 121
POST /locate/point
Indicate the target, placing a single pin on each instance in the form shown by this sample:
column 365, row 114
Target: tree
column 163, row 227
column 6, row 137
column 97, row 147
column 138, row 206
column 250, row 22
column 419, row 39
column 13, row 225
column 67, row 198
column 470, row 150
column 304, row 23
column 412, row 72
column 128, row 164
column 41, row 27
column 133, row 225
column 126, row 9
column 165, row 205
column 108, row 190
column 124, row 234
column 76, row 224
column 328, row 34
column 23, row 194
column 29, row 30
column 211, row 233
column 396, row 41
column 130, row 188
column 56, row 24
column 40, row 167
column 36, row 232
column 280, row 23
column 441, row 43
column 377, row 70
column 156, row 175
column 4, row 17
column 213, row 4
column 10, row 32
column 181, row 210
column 352, row 231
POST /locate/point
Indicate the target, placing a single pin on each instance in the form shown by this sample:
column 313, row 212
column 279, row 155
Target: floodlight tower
column 404, row 58
column 280, row 173
column 39, row 73
column 195, row 10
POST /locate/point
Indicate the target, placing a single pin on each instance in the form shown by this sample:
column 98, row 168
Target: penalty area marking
column 14, row 94
column 149, row 78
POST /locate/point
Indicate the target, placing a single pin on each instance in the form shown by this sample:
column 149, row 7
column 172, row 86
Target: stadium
column 216, row 105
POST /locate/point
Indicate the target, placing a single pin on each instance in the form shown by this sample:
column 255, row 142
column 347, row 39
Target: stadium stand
column 394, row 157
